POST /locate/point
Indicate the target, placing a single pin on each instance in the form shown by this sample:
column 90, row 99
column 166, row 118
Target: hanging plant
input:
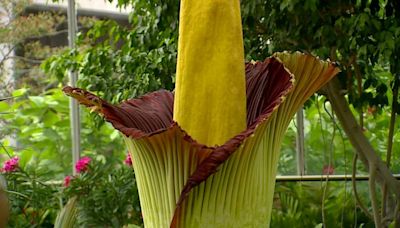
column 206, row 155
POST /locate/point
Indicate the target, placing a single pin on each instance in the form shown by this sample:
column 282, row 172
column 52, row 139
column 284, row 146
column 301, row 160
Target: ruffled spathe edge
column 151, row 114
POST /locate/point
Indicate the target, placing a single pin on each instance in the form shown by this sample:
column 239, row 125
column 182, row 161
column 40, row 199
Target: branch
column 25, row 59
column 6, row 55
column 29, row 38
column 5, row 98
column 353, row 182
column 396, row 215
column 58, row 32
column 372, row 193
column 385, row 197
column 364, row 149
column 359, row 89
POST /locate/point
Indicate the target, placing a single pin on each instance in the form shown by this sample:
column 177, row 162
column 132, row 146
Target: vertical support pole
column 74, row 106
column 300, row 142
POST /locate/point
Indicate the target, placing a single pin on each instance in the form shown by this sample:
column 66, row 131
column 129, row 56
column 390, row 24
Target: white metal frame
column 73, row 77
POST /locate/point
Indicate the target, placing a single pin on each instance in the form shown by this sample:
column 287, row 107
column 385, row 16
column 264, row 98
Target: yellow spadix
column 210, row 93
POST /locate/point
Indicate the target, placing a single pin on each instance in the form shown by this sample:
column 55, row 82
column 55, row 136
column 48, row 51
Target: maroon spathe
column 267, row 83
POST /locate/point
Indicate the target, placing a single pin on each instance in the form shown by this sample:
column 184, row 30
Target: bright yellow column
column 210, row 92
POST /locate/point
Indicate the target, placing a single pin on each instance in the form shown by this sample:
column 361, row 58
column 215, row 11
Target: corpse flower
column 206, row 155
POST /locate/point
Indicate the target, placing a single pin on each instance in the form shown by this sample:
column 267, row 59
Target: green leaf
column 4, row 106
column 19, row 92
column 67, row 217
column 50, row 118
column 37, row 100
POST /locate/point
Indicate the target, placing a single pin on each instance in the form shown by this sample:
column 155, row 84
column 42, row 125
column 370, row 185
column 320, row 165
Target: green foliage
column 361, row 35
column 27, row 187
column 126, row 61
column 41, row 126
column 123, row 62
column 326, row 143
column 67, row 216
column 106, row 195
column 317, row 205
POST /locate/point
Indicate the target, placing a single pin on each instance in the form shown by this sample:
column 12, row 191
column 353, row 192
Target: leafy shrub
column 27, row 187
column 41, row 127
column 106, row 193
column 318, row 205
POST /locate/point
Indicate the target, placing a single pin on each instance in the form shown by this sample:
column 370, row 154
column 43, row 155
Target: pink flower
column 82, row 164
column 67, row 181
column 328, row 170
column 128, row 159
column 10, row 165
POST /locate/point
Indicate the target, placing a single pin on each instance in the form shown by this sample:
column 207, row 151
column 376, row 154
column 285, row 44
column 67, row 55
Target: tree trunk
column 361, row 144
